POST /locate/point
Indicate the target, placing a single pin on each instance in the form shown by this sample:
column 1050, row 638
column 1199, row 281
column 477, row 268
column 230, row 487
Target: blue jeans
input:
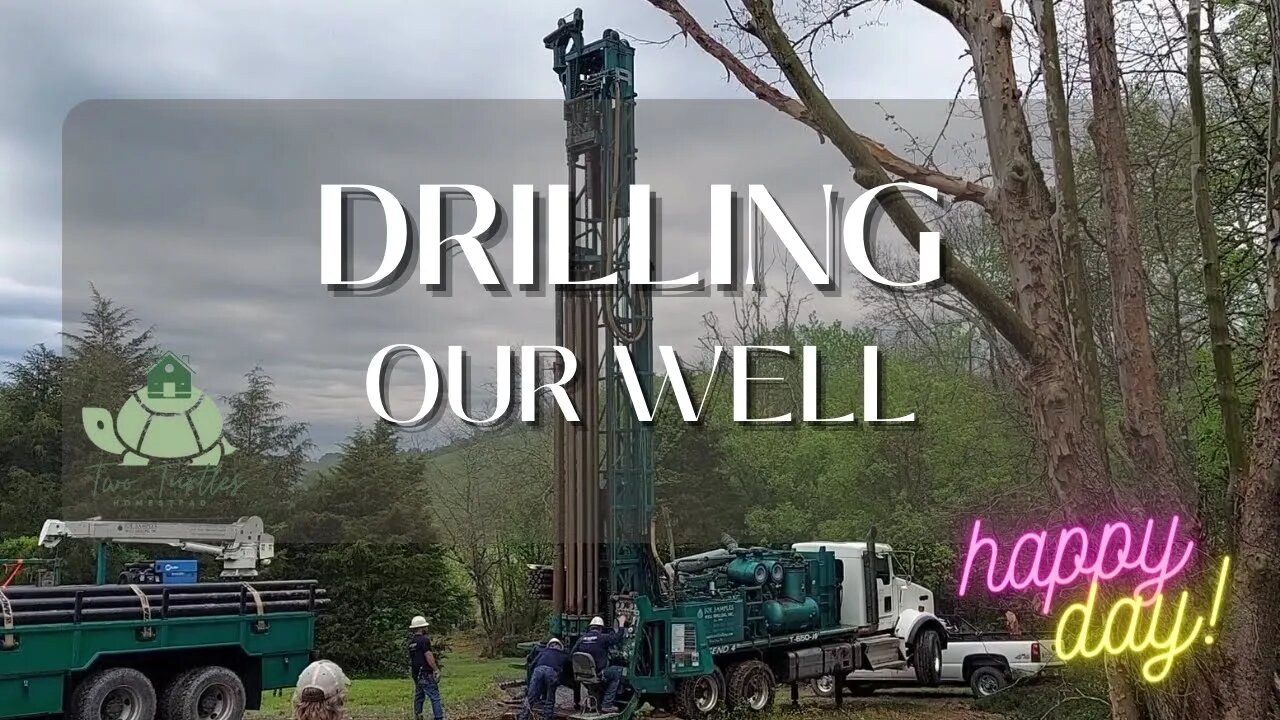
column 426, row 687
column 612, row 681
column 542, row 689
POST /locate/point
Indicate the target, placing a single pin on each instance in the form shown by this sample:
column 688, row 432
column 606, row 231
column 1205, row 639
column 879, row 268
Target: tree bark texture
column 1143, row 428
column 1253, row 624
column 1219, row 329
column 1273, row 152
column 1021, row 207
column 1067, row 214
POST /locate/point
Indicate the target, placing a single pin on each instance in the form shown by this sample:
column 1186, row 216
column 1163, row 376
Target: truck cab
column 896, row 607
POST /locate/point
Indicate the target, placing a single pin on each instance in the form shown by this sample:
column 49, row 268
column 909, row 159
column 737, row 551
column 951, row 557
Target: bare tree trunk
column 1273, row 157
column 1143, row 429
column 1067, row 214
column 1219, row 330
column 1020, row 205
column 1254, row 625
column 1021, row 210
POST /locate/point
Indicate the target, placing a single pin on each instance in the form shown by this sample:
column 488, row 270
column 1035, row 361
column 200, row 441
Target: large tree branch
column 869, row 172
column 957, row 187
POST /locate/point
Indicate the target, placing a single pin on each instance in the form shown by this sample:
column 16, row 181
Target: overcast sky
column 58, row 55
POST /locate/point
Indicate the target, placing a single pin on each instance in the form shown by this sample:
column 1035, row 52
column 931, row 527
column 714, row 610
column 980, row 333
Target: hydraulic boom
column 241, row 546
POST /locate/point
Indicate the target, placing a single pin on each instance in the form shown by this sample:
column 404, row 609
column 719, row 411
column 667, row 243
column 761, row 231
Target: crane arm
column 241, row 546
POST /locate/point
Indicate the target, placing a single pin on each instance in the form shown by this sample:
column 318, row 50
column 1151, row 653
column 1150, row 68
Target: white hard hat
column 597, row 622
column 323, row 676
column 555, row 641
column 418, row 623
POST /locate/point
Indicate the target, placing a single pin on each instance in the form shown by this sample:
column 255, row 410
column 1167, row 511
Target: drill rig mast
column 604, row 464
column 723, row 627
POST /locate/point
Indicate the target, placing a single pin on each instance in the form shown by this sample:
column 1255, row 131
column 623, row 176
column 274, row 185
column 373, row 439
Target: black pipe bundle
column 77, row 603
column 38, row 617
column 91, row 602
column 25, row 591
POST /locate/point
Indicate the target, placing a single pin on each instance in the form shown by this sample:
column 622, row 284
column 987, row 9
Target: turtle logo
column 168, row 419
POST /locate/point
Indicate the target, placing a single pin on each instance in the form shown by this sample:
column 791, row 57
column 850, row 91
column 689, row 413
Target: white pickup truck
column 985, row 661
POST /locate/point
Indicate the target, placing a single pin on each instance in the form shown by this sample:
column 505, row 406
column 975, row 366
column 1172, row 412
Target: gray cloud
column 57, row 56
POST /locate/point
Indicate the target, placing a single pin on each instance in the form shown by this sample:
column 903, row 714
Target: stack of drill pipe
column 87, row 603
column 578, row 529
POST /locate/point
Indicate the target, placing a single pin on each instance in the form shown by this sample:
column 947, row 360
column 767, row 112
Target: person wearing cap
column 321, row 692
column 548, row 667
column 597, row 642
column 425, row 668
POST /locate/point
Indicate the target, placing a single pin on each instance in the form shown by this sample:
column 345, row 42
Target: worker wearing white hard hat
column 321, row 692
column 550, row 666
column 425, row 668
column 596, row 642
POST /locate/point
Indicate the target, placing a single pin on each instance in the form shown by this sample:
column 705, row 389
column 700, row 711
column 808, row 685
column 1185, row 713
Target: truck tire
column 751, row 687
column 114, row 694
column 926, row 656
column 987, row 681
column 167, row 704
column 824, row 686
column 700, row 696
column 205, row 693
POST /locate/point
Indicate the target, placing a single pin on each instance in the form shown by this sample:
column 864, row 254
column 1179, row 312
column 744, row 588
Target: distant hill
column 446, row 454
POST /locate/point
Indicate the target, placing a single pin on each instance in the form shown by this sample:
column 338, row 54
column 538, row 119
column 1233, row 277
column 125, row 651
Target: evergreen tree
column 105, row 360
column 30, row 440
column 271, row 451
column 371, row 544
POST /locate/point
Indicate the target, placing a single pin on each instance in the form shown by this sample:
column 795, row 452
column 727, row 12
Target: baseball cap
column 324, row 678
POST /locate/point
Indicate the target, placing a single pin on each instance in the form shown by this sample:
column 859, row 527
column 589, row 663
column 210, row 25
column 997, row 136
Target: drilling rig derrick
column 604, row 463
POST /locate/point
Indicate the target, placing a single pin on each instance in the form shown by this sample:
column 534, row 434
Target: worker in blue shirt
column 425, row 667
column 597, row 643
column 549, row 665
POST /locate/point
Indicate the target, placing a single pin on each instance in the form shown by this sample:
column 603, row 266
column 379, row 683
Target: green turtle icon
column 169, row 419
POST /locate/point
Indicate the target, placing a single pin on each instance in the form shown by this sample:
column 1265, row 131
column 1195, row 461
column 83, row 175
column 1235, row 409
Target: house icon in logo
column 170, row 377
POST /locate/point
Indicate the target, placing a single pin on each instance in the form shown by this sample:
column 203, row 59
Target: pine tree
column 371, row 544
column 271, row 451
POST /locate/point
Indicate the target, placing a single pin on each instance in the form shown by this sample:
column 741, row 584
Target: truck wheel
column 114, row 694
column 987, row 681
column 824, row 686
column 926, row 656
column 168, row 703
column 206, row 693
column 751, row 686
column 700, row 696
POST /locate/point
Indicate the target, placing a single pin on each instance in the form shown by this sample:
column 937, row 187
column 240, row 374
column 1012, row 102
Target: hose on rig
column 640, row 325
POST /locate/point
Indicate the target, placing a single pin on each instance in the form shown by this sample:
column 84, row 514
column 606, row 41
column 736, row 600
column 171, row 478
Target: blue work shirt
column 555, row 658
column 596, row 643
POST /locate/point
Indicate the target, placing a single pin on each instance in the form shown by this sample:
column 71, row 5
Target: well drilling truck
column 135, row 651
column 721, row 629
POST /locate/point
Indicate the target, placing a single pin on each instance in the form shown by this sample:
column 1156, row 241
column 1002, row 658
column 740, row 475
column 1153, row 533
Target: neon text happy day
column 1145, row 559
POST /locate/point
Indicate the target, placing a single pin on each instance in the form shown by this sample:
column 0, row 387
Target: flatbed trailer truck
column 141, row 650
column 174, row 659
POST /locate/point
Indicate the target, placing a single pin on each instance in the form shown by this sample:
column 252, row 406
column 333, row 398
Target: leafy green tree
column 30, row 440
column 364, row 531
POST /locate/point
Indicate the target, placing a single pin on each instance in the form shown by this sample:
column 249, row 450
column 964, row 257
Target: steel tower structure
column 604, row 474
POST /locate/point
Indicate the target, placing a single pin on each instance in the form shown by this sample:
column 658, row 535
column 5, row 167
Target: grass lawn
column 467, row 681
column 469, row 691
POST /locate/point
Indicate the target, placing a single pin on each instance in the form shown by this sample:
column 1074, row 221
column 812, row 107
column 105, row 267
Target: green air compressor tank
column 793, row 583
column 790, row 616
column 748, row 571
